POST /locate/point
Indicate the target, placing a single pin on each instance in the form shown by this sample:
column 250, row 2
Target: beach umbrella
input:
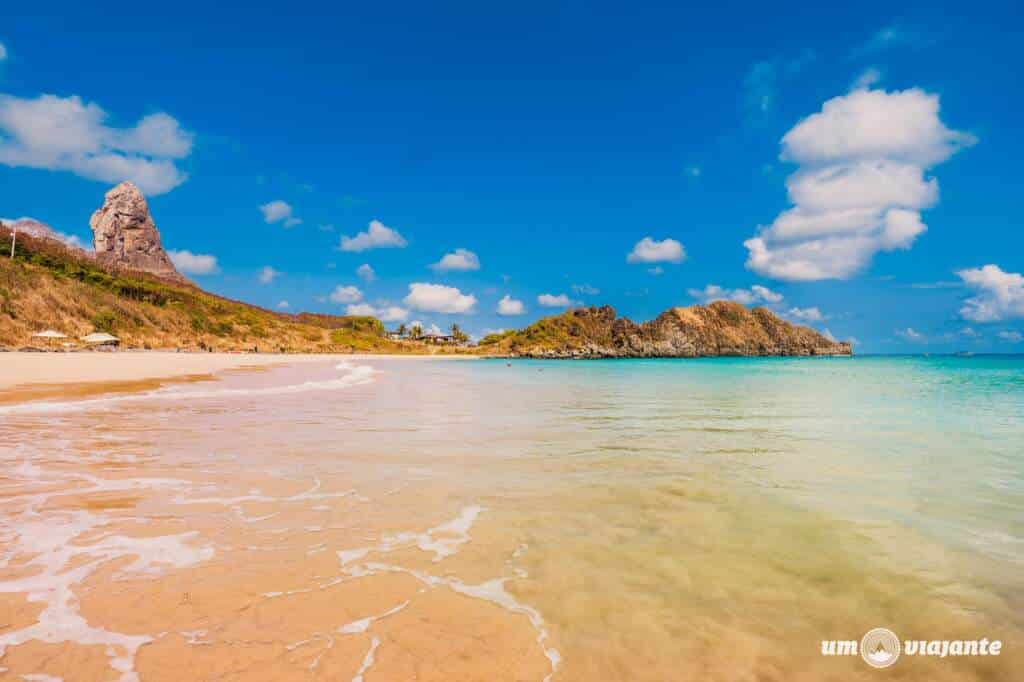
column 100, row 337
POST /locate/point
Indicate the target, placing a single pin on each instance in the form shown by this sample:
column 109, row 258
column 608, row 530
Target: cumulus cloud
column 268, row 274
column 279, row 211
column 910, row 335
column 555, row 301
column 459, row 259
column 860, row 185
column 283, row 305
column 438, row 298
column 1011, row 336
column 193, row 263
column 360, row 309
column 755, row 294
column 69, row 134
column 510, row 306
column 812, row 314
column 648, row 250
column 377, row 236
column 999, row 294
column 345, row 294
column 366, row 272
column 384, row 313
column 392, row 313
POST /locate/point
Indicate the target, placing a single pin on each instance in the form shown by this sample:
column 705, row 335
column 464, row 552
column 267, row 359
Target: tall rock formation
column 124, row 235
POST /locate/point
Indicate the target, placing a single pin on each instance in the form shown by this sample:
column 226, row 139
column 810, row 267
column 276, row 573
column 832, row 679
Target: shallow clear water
column 613, row 520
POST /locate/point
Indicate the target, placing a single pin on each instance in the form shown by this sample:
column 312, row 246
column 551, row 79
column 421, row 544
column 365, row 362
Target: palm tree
column 402, row 329
column 458, row 334
column 416, row 332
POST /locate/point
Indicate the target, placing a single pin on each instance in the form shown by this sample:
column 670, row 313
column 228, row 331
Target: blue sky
column 547, row 140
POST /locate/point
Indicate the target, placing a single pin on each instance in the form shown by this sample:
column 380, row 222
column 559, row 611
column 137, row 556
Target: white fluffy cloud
column 648, row 250
column 283, row 305
column 384, row 314
column 510, row 306
column 1011, row 336
column 377, row 236
column 860, row 186
column 459, row 259
column 366, row 272
column 3, row 52
column 755, row 294
column 268, row 274
column 345, row 294
column 392, row 313
column 278, row 211
column 437, row 298
column 68, row 134
column 812, row 314
column 193, row 263
column 1000, row 295
column 555, row 301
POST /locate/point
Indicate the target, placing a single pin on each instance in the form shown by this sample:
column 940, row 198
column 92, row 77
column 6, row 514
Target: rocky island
column 721, row 328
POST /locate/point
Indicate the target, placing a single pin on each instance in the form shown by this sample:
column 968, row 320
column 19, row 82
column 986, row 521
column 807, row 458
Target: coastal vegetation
column 48, row 285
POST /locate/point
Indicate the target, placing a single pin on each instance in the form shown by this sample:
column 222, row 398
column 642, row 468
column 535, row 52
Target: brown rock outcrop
column 721, row 328
column 124, row 234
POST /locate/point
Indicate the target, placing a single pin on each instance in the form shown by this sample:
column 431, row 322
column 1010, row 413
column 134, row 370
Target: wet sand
column 379, row 521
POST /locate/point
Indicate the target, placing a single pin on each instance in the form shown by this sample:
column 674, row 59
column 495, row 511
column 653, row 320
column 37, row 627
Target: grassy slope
column 567, row 330
column 48, row 286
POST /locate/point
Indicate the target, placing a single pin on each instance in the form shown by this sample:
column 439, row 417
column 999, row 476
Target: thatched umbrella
column 101, row 339
column 49, row 335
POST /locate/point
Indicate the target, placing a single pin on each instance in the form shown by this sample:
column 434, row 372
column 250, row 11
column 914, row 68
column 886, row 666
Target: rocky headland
column 721, row 328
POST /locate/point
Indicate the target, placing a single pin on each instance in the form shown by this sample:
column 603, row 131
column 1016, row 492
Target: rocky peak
column 124, row 234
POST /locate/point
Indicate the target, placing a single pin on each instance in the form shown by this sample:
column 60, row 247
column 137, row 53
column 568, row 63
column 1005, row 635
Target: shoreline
column 36, row 372
column 27, row 370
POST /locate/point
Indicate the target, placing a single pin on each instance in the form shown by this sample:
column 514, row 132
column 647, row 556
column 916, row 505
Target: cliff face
column 721, row 328
column 124, row 234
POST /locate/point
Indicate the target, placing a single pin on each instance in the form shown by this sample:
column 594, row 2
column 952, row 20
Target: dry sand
column 32, row 369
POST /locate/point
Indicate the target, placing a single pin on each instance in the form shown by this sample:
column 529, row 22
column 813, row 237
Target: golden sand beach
column 391, row 519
